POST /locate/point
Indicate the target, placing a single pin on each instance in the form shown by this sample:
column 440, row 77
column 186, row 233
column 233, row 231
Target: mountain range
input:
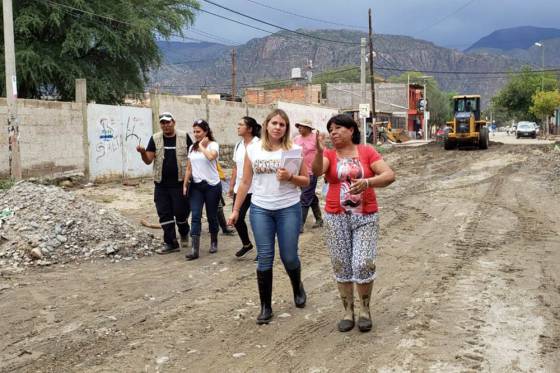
column 189, row 66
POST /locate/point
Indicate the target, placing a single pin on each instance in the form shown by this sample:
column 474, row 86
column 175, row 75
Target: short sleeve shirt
column 309, row 149
column 268, row 192
column 239, row 159
column 339, row 175
column 202, row 168
column 169, row 172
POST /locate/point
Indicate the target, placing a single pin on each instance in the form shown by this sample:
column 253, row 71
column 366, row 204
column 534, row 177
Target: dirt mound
column 43, row 225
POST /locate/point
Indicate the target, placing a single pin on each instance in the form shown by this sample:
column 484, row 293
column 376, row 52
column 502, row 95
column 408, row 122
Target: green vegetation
column 544, row 105
column 112, row 44
column 514, row 101
column 345, row 74
column 6, row 184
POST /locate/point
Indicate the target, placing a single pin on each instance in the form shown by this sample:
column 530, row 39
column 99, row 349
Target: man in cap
column 168, row 151
column 307, row 140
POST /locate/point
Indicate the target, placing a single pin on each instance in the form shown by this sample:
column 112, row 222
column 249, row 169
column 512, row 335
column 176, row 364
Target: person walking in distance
column 167, row 150
column 205, row 189
column 351, row 213
column 221, row 203
column 275, row 207
column 307, row 139
column 249, row 131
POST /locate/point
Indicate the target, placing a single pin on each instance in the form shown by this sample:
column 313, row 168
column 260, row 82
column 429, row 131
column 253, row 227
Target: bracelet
column 367, row 183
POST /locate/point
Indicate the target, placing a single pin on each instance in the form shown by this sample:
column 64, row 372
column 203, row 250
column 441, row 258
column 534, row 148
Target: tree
column 515, row 99
column 544, row 105
column 112, row 44
column 440, row 103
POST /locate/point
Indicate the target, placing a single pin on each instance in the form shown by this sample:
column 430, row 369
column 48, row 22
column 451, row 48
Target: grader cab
column 466, row 128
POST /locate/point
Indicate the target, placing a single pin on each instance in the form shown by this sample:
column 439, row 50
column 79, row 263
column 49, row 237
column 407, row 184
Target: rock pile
column 43, row 225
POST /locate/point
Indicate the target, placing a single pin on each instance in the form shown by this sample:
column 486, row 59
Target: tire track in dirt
column 466, row 248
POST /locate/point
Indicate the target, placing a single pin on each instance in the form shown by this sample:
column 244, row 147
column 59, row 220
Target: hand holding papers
column 291, row 161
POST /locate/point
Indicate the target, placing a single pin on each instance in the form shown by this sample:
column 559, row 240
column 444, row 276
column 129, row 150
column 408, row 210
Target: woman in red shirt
column 352, row 221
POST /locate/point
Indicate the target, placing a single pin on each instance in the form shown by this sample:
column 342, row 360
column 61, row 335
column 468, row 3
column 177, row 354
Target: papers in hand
column 291, row 161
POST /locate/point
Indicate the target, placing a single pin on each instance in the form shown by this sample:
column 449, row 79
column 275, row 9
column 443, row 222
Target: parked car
column 526, row 129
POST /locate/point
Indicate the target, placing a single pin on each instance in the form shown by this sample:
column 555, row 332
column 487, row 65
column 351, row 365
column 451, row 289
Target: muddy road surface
column 468, row 280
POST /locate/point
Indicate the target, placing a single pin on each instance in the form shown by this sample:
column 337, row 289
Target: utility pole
column 233, row 75
column 11, row 91
column 372, row 78
column 363, row 44
column 425, row 124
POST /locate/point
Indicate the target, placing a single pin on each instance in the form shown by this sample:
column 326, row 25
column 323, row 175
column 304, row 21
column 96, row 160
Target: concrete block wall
column 222, row 116
column 185, row 110
column 390, row 97
column 51, row 136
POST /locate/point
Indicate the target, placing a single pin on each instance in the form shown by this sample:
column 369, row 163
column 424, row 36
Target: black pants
column 240, row 225
column 172, row 208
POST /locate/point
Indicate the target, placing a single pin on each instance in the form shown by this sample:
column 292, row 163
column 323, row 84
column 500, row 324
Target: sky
column 448, row 23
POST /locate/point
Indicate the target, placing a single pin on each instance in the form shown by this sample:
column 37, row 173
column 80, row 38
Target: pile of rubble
column 43, row 225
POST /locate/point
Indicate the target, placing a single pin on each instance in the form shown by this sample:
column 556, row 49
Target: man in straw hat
column 306, row 139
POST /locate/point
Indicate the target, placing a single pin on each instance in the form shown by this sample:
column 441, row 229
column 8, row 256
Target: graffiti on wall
column 114, row 132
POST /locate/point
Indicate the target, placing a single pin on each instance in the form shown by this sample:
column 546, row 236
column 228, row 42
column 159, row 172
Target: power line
column 394, row 68
column 52, row 3
column 305, row 17
column 468, row 72
column 213, row 36
column 280, row 27
column 236, row 21
column 445, row 17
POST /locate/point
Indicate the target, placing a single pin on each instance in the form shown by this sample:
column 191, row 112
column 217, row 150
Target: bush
column 6, row 184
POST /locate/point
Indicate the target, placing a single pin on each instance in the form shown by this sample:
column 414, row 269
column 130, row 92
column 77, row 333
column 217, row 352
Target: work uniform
column 170, row 163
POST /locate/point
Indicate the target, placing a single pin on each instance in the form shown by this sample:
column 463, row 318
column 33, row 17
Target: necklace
column 353, row 153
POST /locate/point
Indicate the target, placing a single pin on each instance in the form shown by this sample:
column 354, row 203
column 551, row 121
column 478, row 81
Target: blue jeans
column 204, row 194
column 267, row 224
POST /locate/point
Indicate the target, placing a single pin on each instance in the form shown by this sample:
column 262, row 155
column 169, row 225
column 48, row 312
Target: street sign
column 427, row 115
column 364, row 111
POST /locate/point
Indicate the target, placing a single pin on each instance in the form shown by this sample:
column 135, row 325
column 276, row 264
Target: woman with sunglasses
column 202, row 185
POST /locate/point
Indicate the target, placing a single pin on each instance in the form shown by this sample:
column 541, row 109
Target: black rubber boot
column 297, row 286
column 223, row 223
column 304, row 212
column 317, row 213
column 213, row 243
column 195, row 248
column 264, row 280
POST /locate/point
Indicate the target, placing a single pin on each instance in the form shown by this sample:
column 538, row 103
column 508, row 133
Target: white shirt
column 239, row 159
column 202, row 168
column 268, row 192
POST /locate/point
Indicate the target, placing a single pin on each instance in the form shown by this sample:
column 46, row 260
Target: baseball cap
column 167, row 116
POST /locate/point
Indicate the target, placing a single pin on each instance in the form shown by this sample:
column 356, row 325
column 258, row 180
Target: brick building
column 303, row 94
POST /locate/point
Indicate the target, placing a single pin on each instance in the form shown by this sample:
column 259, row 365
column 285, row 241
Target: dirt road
column 468, row 280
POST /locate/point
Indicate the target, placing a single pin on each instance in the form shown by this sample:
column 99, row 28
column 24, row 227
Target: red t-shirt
column 339, row 174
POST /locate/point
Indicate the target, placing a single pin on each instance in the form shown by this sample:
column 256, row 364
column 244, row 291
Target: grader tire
column 483, row 138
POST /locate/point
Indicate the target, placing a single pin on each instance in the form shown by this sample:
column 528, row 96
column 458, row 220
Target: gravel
column 43, row 225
